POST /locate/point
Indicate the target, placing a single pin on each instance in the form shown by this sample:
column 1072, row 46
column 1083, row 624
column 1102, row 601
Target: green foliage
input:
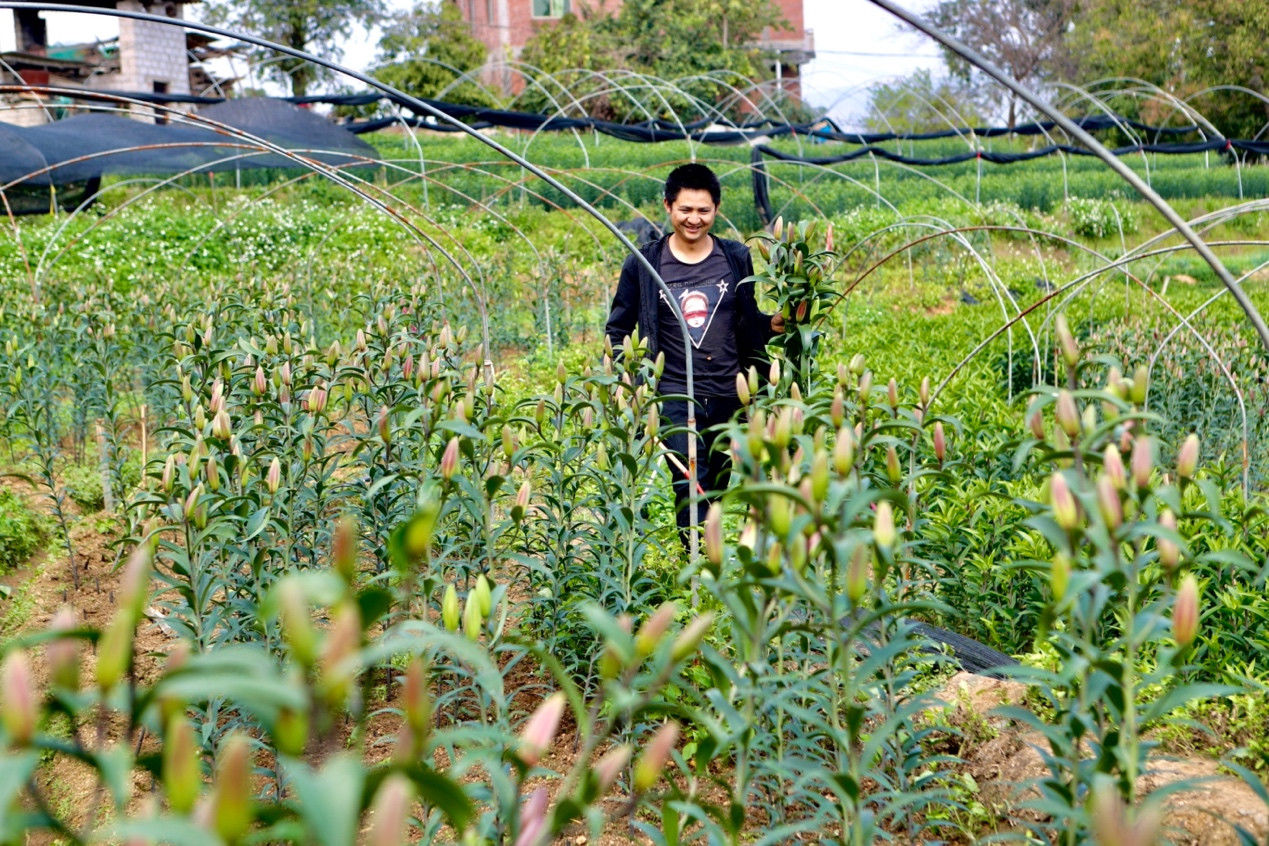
column 427, row 50
column 1093, row 218
column 21, row 531
column 319, row 27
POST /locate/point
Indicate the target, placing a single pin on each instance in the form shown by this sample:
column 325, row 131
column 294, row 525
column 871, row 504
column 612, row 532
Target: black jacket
column 636, row 303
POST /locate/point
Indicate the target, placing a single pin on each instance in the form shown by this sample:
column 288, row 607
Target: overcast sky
column 857, row 45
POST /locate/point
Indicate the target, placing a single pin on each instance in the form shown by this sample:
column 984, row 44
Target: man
column 707, row 277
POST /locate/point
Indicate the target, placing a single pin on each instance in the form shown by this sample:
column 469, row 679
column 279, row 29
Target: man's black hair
column 694, row 177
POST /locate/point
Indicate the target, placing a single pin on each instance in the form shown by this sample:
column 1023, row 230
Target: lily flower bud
column 484, row 595
column 1113, row 466
column 473, row 620
column 182, row 775
column 742, row 389
column 1142, row 460
column 1066, row 341
column 844, row 451
column 892, row 394
column 1169, row 552
column 609, row 767
column 539, row 730
column 653, row 630
column 1108, row 503
column 1066, row 414
column 62, row 654
column 1036, row 423
column 1185, row 613
column 1062, row 500
column 690, row 638
column 273, row 478
column 883, row 531
column 894, row 472
column 342, row 640
column 231, row 789
column 653, row 425
column 1187, row 457
column 857, row 570
column 773, row 374
column 647, row 769
column 1059, row 575
column 297, row 627
column 449, row 609
column 940, row 443
column 344, row 548
column 390, row 812
column 449, row 459
column 714, row 535
column 1140, row 385
column 19, row 709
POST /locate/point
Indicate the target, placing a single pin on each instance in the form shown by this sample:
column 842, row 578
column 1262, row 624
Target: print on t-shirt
column 699, row 304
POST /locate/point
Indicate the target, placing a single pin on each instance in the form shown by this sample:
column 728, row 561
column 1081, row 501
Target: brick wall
column 152, row 53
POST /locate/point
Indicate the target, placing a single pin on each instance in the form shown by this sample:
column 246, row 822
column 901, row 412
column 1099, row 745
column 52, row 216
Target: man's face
column 691, row 214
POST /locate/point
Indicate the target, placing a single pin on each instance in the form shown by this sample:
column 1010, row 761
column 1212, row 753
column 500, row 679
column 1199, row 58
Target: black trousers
column 713, row 455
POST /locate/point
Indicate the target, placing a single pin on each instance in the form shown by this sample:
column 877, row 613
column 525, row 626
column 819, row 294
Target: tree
column 314, row 26
column 1183, row 48
column 668, row 39
column 1025, row 38
column 427, row 50
column 921, row 103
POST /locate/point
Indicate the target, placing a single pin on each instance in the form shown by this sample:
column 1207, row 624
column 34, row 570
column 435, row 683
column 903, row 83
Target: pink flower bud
column 315, row 401
column 1065, row 512
column 1169, row 552
column 20, row 704
column 539, row 729
column 335, row 666
column 521, row 506
column 1108, row 503
column 1036, row 424
column 449, row 459
column 273, row 478
column 1066, row 414
column 742, row 389
column 390, row 812
column 533, row 817
column 773, row 373
column 609, row 767
column 1185, row 613
column 383, row 423
column 1187, row 458
column 647, row 769
column 1142, row 460
column 212, row 472
column 940, row 443
column 892, row 393
column 1113, row 466
column 134, row 583
column 62, row 654
column 221, row 427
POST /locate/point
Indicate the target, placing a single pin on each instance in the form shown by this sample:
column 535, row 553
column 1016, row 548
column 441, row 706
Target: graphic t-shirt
column 706, row 295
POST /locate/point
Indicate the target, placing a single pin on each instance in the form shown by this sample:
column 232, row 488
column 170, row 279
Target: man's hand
column 777, row 323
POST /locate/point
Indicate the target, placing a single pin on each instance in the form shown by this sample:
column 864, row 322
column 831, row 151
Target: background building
column 506, row 25
column 147, row 57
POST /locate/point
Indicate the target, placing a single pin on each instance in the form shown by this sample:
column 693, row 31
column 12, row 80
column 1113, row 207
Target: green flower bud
column 449, row 609
column 182, row 775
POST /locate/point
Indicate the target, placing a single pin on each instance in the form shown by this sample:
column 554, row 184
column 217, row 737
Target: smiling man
column 708, row 279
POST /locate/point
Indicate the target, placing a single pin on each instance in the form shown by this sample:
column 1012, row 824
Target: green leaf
column 173, row 830
column 373, row 602
column 444, row 793
column 329, row 798
column 115, row 766
column 15, row 769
